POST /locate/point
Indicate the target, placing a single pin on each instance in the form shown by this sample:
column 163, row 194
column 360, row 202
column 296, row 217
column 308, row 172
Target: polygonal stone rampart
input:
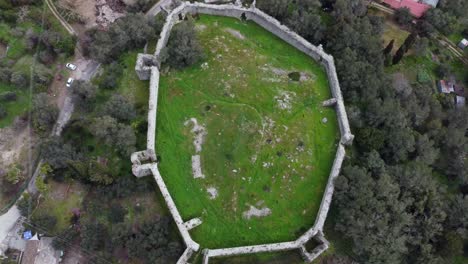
column 147, row 67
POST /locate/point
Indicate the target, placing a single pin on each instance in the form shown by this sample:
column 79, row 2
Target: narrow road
column 64, row 23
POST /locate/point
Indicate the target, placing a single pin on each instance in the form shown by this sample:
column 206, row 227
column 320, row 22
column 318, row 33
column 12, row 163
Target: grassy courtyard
column 254, row 107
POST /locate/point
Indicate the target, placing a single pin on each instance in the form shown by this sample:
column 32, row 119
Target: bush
column 119, row 107
column 25, row 204
column 44, row 113
column 3, row 112
column 126, row 33
column 19, row 79
column 84, row 94
column 423, row 77
column 141, row 6
column 117, row 213
column 65, row 239
column 111, row 77
column 5, row 75
column 183, row 48
column 403, row 16
column 44, row 223
column 442, row 70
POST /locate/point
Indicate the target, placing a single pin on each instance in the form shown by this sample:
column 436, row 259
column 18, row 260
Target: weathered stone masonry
column 144, row 162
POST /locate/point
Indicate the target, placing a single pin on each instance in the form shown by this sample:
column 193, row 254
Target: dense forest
column 402, row 194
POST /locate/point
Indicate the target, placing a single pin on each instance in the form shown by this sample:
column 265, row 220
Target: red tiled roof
column 416, row 9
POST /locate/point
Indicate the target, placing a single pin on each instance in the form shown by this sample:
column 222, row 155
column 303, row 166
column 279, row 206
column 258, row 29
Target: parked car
column 69, row 82
column 71, row 66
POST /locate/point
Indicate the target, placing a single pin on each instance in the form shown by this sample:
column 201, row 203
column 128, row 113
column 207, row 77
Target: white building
column 463, row 44
column 432, row 3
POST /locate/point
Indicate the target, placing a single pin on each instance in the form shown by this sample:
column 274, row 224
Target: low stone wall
column 226, row 252
column 152, row 108
column 148, row 68
column 192, row 245
column 327, row 196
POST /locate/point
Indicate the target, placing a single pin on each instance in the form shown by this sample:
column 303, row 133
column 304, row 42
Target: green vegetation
column 254, row 153
column 13, row 108
column 59, row 203
column 35, row 32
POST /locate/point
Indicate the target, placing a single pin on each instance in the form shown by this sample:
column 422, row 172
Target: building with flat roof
column 417, row 9
column 463, row 44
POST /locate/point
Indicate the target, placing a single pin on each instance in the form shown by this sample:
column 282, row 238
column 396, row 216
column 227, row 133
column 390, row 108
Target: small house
column 417, row 9
column 446, row 87
column 463, row 44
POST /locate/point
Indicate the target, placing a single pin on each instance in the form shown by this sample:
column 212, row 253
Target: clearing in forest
column 242, row 137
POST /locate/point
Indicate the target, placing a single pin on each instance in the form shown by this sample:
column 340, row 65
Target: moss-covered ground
column 265, row 144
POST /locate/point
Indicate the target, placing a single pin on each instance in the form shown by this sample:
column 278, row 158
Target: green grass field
column 265, row 143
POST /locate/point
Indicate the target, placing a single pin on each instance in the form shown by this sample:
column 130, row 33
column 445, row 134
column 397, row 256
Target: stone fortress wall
column 145, row 163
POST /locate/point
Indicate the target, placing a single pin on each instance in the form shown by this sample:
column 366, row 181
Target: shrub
column 3, row 112
column 110, row 78
column 183, row 48
column 423, row 77
column 126, row 33
column 5, row 75
column 8, row 96
column 119, row 107
column 403, row 16
column 19, row 79
column 117, row 213
column 44, row 113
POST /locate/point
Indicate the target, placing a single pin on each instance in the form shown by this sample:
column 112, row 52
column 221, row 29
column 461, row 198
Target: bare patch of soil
column 256, row 212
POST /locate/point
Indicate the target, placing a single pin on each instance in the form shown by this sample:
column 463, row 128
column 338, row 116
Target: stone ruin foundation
column 145, row 162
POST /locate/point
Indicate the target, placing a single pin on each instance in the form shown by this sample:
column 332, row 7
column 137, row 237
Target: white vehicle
column 71, row 66
column 69, row 82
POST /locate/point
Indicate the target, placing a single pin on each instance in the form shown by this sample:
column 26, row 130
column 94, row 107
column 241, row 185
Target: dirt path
column 64, row 23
